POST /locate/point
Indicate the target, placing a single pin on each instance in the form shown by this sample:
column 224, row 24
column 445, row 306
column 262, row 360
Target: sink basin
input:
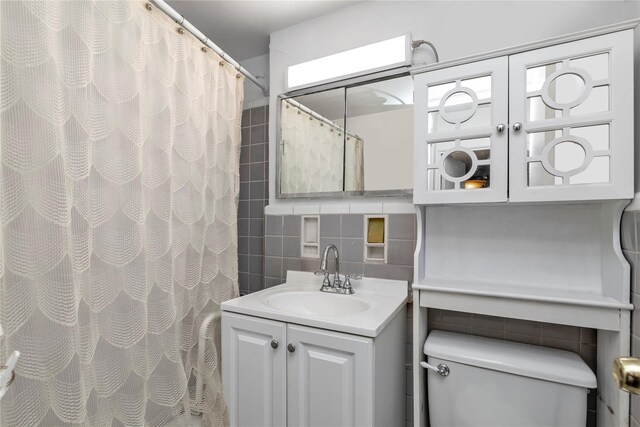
column 299, row 301
column 315, row 303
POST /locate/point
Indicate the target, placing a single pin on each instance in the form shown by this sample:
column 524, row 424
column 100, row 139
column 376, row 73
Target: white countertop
column 385, row 298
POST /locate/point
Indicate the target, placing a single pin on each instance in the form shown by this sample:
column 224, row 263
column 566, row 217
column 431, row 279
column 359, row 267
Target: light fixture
column 384, row 55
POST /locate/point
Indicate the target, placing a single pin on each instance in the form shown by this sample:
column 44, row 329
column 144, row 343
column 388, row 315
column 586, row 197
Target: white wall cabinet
column 562, row 115
column 278, row 374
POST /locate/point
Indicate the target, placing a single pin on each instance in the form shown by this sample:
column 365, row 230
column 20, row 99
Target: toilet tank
column 504, row 384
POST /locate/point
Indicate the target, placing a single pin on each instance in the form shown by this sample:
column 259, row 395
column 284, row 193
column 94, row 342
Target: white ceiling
column 242, row 27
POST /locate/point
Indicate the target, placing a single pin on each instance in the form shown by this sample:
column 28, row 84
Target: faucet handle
column 325, row 282
column 347, row 282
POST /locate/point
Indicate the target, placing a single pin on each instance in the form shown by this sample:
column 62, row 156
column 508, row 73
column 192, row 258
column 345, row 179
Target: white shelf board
column 542, row 304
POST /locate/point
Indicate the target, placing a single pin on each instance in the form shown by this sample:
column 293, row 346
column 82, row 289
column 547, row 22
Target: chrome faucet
column 337, row 283
column 337, row 287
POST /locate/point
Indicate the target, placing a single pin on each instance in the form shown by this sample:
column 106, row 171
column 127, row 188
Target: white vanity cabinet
column 329, row 378
column 551, row 123
column 277, row 374
column 254, row 370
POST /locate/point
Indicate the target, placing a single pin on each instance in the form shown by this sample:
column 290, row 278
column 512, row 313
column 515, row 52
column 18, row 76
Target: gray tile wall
column 254, row 196
column 629, row 231
column 282, row 246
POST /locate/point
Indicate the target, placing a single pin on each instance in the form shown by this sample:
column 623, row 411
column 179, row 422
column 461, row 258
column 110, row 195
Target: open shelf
column 585, row 309
column 560, row 255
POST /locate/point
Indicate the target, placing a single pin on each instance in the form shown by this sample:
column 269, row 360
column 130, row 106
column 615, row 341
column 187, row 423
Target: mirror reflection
column 381, row 114
column 561, row 159
column 325, row 149
column 312, row 143
column 569, row 155
column 457, row 169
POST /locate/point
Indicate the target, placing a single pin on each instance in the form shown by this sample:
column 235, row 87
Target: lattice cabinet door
column 460, row 147
column 571, row 117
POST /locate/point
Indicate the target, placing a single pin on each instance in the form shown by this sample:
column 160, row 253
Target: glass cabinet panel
column 461, row 147
column 572, row 134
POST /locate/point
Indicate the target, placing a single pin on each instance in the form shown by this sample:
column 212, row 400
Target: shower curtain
column 118, row 184
column 354, row 160
column 313, row 154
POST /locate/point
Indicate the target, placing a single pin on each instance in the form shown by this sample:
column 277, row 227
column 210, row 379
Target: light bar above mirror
column 383, row 55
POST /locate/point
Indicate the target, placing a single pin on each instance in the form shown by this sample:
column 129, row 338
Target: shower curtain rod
column 180, row 20
column 321, row 118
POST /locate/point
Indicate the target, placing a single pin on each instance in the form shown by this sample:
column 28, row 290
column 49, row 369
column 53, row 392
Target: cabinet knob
column 291, row 348
column 274, row 344
column 500, row 128
column 517, row 126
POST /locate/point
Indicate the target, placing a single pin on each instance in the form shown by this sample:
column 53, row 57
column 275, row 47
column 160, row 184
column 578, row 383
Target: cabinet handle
column 274, row 344
column 291, row 348
column 500, row 128
column 517, row 126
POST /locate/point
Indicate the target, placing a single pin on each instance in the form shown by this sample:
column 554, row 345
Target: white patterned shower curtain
column 313, row 154
column 354, row 161
column 118, row 184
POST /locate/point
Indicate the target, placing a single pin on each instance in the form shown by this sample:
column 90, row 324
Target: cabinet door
column 330, row 378
column 574, row 102
column 253, row 372
column 460, row 149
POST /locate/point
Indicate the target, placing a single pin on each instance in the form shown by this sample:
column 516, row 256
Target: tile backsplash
column 282, row 246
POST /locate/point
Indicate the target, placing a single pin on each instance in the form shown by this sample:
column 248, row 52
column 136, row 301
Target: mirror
column 574, row 154
column 311, row 151
column 567, row 88
column 349, row 141
column 458, row 107
column 578, row 157
column 457, row 164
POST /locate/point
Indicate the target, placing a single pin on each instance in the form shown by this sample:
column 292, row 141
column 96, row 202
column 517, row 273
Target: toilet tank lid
column 543, row 363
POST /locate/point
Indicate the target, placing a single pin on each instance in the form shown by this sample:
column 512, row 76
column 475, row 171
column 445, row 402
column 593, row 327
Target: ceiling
column 242, row 27
column 362, row 100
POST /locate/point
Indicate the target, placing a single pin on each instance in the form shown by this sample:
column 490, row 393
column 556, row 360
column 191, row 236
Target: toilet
column 495, row 383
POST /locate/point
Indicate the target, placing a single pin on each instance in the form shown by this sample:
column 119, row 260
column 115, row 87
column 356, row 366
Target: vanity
column 292, row 355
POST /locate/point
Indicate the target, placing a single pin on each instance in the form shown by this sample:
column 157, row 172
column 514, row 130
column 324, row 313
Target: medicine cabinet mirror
column 355, row 140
